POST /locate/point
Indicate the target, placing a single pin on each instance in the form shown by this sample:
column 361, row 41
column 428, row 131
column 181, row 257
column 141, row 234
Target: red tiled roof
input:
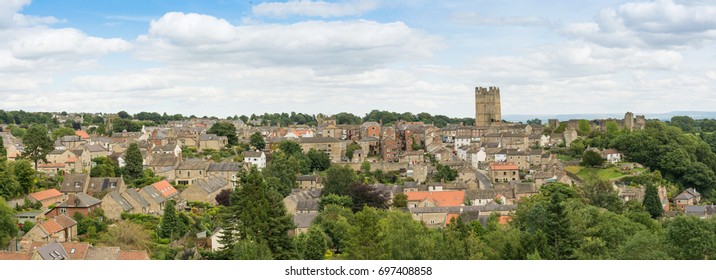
column 65, row 221
column 164, row 188
column 80, row 250
column 505, row 219
column 441, row 198
column 133, row 255
column 82, row 134
column 51, row 227
column 42, row 195
column 503, row 166
column 4, row 255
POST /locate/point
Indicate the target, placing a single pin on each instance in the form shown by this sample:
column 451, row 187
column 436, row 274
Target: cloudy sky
column 240, row 57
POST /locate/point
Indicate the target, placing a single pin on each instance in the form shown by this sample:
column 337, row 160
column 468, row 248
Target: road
column 485, row 183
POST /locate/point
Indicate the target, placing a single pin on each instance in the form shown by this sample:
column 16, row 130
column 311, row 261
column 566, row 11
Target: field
column 611, row 173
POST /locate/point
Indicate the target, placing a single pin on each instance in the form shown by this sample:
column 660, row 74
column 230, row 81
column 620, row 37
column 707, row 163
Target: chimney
column 70, row 198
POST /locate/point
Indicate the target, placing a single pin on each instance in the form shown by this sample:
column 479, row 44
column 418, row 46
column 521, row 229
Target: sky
column 225, row 58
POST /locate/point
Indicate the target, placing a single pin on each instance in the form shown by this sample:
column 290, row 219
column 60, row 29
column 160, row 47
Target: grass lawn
column 602, row 173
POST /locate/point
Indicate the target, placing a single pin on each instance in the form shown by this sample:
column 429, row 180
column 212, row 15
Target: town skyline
column 218, row 58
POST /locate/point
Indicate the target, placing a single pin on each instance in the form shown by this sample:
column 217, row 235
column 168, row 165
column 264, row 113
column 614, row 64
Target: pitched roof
column 42, row 195
column 120, row 200
column 503, row 166
column 252, row 153
column 68, row 185
column 688, row 194
column 164, row 188
column 102, row 253
column 207, row 137
column 304, row 220
column 225, row 166
column 53, row 251
column 81, row 200
column 441, row 198
column 154, row 194
column 76, row 250
column 101, row 184
column 65, row 221
column 319, row 139
column 212, row 184
column 6, row 255
column 134, row 195
column 163, row 160
column 193, row 164
column 82, row 134
column 307, row 178
column 133, row 255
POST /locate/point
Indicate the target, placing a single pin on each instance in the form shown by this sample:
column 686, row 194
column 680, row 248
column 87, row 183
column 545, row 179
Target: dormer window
column 113, row 185
column 77, row 184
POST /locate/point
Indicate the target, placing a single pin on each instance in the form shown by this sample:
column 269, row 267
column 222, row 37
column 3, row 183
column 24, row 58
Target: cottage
column 504, row 172
column 157, row 194
column 75, row 203
column 46, row 197
column 688, row 197
column 60, row 229
column 255, row 158
column 309, row 181
column 114, row 205
column 435, row 198
column 205, row 190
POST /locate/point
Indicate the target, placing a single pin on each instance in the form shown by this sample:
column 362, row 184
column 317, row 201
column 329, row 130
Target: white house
column 462, row 141
column 612, row 156
column 478, row 157
column 256, row 158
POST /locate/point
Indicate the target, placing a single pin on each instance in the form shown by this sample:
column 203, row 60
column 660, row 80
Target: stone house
column 46, row 197
column 75, row 203
column 686, row 198
column 157, row 195
column 205, row 190
column 612, row 156
column 59, row 229
column 303, row 221
column 100, row 186
column 370, row 129
column 302, row 201
column 212, row 141
column 226, row 170
column 309, row 182
column 138, row 203
column 333, row 147
column 504, row 172
column 191, row 170
column 114, row 205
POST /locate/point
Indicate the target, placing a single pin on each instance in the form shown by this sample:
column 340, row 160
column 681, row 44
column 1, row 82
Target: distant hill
column 659, row 116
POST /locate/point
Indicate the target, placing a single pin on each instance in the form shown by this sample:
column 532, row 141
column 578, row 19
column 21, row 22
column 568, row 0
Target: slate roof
column 207, row 137
column 193, row 164
column 319, row 139
column 101, row 184
column 163, row 160
column 81, row 200
column 688, row 194
column 212, row 184
column 304, row 220
column 102, row 253
column 53, row 251
column 120, row 200
column 253, row 154
column 225, row 166
column 134, row 195
column 154, row 194
column 68, row 185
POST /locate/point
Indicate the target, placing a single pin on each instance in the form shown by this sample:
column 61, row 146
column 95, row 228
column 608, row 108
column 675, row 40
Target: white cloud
column 327, row 46
column 8, row 9
column 659, row 24
column 476, row 19
column 315, row 8
column 42, row 42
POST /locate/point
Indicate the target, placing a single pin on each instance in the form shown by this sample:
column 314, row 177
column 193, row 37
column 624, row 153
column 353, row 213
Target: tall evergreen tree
column 257, row 141
column 652, row 203
column 9, row 187
column 37, row 144
column 171, row 225
column 25, row 175
column 3, row 152
column 366, row 241
column 316, row 244
column 133, row 158
column 8, row 224
column 560, row 236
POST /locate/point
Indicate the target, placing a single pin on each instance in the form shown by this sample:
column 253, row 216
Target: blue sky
column 241, row 57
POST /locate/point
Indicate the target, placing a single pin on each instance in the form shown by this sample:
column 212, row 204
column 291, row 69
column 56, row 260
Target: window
column 188, row 173
column 63, row 210
column 504, row 173
column 113, row 185
column 199, row 172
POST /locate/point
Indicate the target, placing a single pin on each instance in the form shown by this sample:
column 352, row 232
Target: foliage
column 592, row 158
column 444, row 173
column 319, row 161
column 222, row 198
column 534, row 121
column 350, row 149
column 313, row 244
column 225, row 129
column 365, row 240
column 104, row 167
column 692, row 238
column 340, row 200
column 392, row 117
column 37, row 144
column 62, row 131
column 134, row 165
column 3, row 152
column 652, row 203
column 250, row 249
column 400, row 200
column 583, row 128
column 10, row 187
column 364, row 195
column 281, row 173
column 8, row 224
column 339, row 180
column 171, row 226
column 257, row 141
column 26, row 176
column 27, row 226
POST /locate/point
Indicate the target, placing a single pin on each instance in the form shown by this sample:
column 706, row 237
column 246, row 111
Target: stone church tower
column 487, row 106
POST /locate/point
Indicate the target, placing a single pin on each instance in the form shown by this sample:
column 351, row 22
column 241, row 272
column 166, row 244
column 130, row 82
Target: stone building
column 487, row 106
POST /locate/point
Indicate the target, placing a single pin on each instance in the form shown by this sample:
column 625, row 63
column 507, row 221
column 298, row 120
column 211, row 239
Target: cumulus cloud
column 321, row 45
column 658, row 24
column 315, row 8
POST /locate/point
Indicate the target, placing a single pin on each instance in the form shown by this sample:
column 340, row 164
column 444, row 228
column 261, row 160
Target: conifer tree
column 652, row 203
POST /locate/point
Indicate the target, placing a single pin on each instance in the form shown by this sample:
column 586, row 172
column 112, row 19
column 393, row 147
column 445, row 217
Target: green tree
column 404, row 238
column 62, row 131
column 124, row 115
column 652, row 203
column 686, row 123
column 249, row 249
column 400, row 200
column 340, row 200
column 8, row 224
column 444, row 173
column 592, row 158
column 316, row 244
column 282, row 173
column 320, row 161
column 691, row 238
column 37, row 144
column 104, row 167
column 9, row 187
column 339, row 180
column 3, row 152
column 644, row 245
column 134, row 166
column 612, row 129
column 336, row 221
column 366, row 240
column 171, row 225
column 350, row 149
column 26, row 176
column 27, row 226
column 290, row 147
column 225, row 129
column 534, row 121
column 257, row 141
column 583, row 128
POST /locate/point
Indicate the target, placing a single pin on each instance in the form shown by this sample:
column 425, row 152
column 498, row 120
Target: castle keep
column 487, row 106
